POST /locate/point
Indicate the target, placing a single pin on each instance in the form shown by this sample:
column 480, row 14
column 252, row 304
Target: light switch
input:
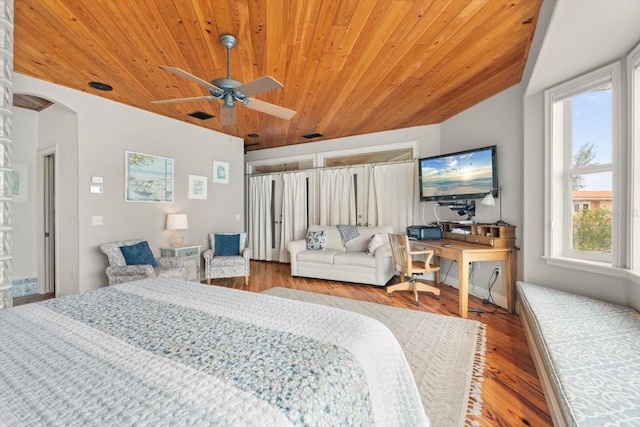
column 96, row 179
column 96, row 220
column 96, row 189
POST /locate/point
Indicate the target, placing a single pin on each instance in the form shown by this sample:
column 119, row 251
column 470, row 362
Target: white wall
column 25, row 143
column 495, row 121
column 105, row 129
column 581, row 36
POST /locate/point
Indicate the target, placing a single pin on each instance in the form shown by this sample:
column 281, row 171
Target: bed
column 168, row 352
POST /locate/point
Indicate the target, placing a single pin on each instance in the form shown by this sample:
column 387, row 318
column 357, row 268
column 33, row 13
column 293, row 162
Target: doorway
column 47, row 225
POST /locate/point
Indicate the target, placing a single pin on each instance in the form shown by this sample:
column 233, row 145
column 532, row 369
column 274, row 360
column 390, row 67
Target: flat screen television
column 469, row 174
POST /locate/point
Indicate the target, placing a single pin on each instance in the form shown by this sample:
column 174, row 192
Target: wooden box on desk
column 497, row 236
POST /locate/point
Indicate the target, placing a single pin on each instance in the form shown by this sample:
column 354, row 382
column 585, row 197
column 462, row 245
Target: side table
column 191, row 255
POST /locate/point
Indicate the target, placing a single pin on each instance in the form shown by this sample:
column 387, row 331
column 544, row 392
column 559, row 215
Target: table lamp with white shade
column 489, row 200
column 176, row 223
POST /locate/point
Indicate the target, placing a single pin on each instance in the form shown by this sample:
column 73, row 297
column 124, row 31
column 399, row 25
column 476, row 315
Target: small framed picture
column 220, row 172
column 197, row 187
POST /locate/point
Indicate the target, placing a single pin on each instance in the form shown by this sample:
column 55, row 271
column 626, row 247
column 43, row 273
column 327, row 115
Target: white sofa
column 347, row 264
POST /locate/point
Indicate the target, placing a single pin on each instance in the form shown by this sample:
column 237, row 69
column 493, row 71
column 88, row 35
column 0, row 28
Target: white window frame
column 633, row 159
column 558, row 162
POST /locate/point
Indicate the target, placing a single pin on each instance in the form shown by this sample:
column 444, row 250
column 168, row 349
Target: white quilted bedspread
column 167, row 352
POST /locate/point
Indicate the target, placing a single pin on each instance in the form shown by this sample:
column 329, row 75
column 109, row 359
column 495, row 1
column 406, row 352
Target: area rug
column 446, row 354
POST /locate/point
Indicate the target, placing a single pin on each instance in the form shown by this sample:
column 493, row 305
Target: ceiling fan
column 231, row 91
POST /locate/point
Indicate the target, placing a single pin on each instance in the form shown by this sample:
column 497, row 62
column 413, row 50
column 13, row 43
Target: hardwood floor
column 511, row 390
column 31, row 298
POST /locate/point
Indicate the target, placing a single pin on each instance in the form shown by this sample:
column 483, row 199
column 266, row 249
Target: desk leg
column 509, row 278
column 463, row 284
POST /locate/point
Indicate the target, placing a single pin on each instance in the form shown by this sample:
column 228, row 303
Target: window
column 633, row 213
column 581, row 148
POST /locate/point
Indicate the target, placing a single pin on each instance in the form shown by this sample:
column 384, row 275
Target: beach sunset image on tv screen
column 467, row 174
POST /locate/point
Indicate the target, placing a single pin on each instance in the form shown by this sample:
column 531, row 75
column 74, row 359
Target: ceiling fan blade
column 184, row 74
column 263, row 84
column 169, row 101
column 227, row 115
column 272, row 109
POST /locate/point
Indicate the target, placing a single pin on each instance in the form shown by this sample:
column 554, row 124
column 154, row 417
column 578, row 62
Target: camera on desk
column 424, row 232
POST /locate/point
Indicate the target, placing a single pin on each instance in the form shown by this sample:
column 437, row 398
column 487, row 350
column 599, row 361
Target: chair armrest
column 128, row 273
column 383, row 252
column 170, row 261
column 208, row 255
column 246, row 253
column 422, row 252
column 294, row 247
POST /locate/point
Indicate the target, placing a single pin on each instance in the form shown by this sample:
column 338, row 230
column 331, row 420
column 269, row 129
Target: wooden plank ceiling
column 348, row 67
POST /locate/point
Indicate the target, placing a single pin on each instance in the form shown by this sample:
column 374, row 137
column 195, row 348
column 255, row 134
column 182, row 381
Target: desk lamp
column 489, row 200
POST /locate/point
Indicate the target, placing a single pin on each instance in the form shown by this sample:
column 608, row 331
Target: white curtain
column 260, row 221
column 390, row 199
column 337, row 202
column 294, row 211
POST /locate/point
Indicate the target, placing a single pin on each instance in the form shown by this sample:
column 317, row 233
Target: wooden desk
column 464, row 253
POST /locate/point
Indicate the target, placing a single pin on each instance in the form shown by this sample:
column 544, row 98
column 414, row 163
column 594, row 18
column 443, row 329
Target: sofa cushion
column 227, row 245
column 316, row 240
column 374, row 243
column 322, row 257
column 334, row 241
column 355, row 259
column 139, row 254
column 359, row 244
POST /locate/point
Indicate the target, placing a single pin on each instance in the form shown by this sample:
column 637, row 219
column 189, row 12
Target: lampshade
column 177, row 222
column 488, row 200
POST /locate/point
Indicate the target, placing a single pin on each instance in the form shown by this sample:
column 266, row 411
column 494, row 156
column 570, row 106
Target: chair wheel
column 438, row 296
column 417, row 303
column 390, row 295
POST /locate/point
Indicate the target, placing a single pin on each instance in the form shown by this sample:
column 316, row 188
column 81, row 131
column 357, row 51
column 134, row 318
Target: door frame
column 40, row 218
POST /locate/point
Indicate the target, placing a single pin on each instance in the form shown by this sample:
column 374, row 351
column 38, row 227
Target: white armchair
column 229, row 259
column 119, row 272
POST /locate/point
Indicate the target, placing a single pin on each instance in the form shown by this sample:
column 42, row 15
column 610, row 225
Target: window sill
column 590, row 266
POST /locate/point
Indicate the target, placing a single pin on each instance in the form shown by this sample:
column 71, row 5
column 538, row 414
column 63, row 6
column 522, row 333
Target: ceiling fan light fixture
column 229, row 90
column 228, row 100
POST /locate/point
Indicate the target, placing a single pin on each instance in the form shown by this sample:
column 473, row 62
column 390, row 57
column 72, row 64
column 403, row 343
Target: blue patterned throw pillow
column 227, row 245
column 138, row 254
column 316, row 240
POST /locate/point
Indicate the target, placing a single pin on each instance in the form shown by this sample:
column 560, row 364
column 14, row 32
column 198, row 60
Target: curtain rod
column 331, row 167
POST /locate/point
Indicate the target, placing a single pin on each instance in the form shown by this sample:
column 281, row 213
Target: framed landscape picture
column 148, row 178
column 197, row 187
column 220, row 172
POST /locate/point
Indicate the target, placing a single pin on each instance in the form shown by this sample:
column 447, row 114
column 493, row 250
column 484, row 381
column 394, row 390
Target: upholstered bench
column 587, row 353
